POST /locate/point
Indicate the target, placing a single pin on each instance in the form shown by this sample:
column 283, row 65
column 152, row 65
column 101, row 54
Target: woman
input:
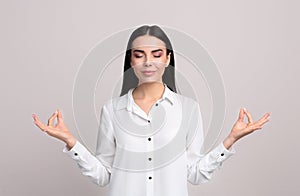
column 150, row 137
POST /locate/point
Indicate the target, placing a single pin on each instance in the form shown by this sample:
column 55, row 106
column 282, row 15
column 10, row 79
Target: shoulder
column 185, row 100
column 116, row 103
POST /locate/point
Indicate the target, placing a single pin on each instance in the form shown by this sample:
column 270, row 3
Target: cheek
column 161, row 63
column 163, row 60
column 136, row 62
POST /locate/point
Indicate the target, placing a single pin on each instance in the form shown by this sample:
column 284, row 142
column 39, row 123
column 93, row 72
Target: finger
column 241, row 115
column 267, row 115
column 59, row 116
column 250, row 119
column 259, row 124
column 254, row 127
column 38, row 123
column 51, row 119
column 264, row 119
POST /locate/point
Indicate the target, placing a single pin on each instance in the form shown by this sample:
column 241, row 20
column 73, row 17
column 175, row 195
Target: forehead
column 147, row 41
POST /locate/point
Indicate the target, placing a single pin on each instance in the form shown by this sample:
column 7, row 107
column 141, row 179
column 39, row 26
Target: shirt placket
column 149, row 174
column 150, row 147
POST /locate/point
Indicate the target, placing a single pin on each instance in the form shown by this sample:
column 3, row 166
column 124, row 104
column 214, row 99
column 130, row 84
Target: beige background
column 255, row 44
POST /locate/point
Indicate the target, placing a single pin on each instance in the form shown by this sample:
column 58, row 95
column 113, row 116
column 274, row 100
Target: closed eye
column 138, row 56
column 157, row 54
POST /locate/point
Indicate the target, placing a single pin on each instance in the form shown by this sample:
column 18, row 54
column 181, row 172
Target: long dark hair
column 129, row 78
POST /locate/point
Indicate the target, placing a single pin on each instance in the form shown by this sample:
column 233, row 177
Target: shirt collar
column 167, row 95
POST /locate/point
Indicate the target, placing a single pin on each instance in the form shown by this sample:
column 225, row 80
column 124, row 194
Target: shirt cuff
column 77, row 151
column 221, row 153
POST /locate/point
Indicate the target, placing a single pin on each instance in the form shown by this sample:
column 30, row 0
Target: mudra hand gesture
column 241, row 128
column 59, row 131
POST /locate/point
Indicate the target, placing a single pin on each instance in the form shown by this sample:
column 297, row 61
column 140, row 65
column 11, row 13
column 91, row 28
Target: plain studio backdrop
column 254, row 43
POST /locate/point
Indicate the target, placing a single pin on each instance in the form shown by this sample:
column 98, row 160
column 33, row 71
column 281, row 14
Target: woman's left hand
column 241, row 128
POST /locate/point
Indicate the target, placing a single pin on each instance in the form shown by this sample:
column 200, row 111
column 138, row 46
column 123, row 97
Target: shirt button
column 75, row 154
column 222, row 154
column 156, row 104
column 148, row 121
column 150, row 177
column 149, row 159
column 149, row 138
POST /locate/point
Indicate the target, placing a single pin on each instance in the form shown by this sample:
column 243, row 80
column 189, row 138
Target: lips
column 148, row 72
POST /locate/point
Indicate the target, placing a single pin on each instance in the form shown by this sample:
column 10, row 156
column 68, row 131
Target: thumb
column 59, row 116
column 241, row 115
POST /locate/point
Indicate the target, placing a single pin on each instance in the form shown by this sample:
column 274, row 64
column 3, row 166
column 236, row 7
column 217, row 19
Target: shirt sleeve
column 200, row 166
column 97, row 167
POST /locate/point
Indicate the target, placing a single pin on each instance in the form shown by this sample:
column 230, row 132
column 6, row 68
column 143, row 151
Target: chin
column 150, row 81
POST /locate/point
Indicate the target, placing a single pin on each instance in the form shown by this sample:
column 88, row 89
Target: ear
column 168, row 59
column 130, row 62
column 129, row 56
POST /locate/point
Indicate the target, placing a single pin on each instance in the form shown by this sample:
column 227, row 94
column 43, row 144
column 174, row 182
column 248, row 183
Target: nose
column 148, row 61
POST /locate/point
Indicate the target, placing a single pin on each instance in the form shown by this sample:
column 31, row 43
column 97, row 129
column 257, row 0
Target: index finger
column 39, row 123
column 250, row 119
column 51, row 119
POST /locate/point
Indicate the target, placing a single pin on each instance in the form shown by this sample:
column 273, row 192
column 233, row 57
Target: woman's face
column 149, row 58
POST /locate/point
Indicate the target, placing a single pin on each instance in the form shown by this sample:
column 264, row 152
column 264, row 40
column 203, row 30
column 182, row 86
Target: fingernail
column 244, row 109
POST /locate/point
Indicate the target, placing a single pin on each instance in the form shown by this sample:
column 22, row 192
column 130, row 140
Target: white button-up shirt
column 149, row 155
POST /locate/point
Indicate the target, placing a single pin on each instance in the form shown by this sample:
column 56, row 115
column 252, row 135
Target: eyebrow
column 157, row 50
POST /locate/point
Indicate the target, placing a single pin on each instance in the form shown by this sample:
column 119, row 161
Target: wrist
column 70, row 143
column 229, row 141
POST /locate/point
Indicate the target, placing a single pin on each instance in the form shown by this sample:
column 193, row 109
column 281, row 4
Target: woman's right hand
column 59, row 131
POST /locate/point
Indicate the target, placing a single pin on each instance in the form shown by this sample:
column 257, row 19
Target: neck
column 149, row 91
